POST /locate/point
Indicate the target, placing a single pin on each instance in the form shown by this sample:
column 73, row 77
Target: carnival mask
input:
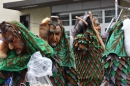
column 96, row 24
column 55, row 35
column 12, row 37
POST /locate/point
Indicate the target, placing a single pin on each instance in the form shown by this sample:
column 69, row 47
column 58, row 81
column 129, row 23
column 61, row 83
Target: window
column 74, row 15
column 65, row 19
column 98, row 14
column 25, row 20
column 109, row 14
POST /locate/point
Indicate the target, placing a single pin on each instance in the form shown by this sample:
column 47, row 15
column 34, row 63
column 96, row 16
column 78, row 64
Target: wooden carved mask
column 96, row 24
column 55, row 31
column 55, row 34
column 12, row 36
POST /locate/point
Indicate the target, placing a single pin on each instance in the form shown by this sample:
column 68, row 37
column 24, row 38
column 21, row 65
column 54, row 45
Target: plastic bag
column 39, row 70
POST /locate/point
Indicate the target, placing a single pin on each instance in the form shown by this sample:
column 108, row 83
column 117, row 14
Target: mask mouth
column 18, row 51
column 53, row 44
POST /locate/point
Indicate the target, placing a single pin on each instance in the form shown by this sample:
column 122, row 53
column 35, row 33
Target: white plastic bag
column 39, row 70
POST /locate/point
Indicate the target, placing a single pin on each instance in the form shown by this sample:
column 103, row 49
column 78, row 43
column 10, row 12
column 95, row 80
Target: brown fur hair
column 3, row 48
column 44, row 29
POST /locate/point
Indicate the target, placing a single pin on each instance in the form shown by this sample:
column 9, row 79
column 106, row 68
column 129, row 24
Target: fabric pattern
column 16, row 62
column 64, row 52
column 64, row 72
column 88, row 53
column 115, row 41
column 63, row 76
column 117, row 63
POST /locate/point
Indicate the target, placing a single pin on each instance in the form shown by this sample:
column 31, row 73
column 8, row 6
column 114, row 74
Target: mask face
column 97, row 25
column 55, row 34
column 14, row 42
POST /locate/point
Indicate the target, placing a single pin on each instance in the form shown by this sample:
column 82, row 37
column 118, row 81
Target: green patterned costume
column 117, row 65
column 64, row 52
column 18, row 63
column 64, row 73
column 88, row 53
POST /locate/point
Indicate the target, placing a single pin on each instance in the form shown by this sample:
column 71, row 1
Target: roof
column 27, row 4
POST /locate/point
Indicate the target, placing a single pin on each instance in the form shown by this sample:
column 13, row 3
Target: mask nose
column 53, row 41
column 10, row 46
column 98, row 28
column 54, row 38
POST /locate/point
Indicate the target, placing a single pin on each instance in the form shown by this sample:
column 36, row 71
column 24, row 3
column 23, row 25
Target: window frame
column 65, row 19
column 71, row 26
column 28, row 20
column 108, row 15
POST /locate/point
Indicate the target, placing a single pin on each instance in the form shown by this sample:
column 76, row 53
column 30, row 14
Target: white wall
column 36, row 16
column 7, row 14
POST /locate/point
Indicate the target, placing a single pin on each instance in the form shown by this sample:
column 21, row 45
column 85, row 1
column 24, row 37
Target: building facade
column 8, row 14
column 31, row 12
column 31, row 18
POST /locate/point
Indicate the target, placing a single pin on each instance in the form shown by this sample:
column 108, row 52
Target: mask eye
column 57, row 33
column 9, row 39
column 50, row 33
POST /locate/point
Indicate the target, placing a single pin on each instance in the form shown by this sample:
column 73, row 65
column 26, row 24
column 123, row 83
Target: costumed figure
column 116, row 55
column 88, row 48
column 22, row 44
column 64, row 73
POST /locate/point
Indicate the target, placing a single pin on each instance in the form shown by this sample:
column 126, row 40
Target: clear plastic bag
column 39, row 70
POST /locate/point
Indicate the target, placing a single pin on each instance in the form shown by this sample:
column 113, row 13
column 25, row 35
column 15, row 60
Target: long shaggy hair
column 44, row 29
column 80, row 27
column 12, row 32
column 44, row 26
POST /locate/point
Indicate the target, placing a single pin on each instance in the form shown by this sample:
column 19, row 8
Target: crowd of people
column 93, row 60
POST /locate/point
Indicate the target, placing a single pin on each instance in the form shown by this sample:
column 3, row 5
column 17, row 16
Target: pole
column 116, row 9
column 96, row 32
column 119, row 14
